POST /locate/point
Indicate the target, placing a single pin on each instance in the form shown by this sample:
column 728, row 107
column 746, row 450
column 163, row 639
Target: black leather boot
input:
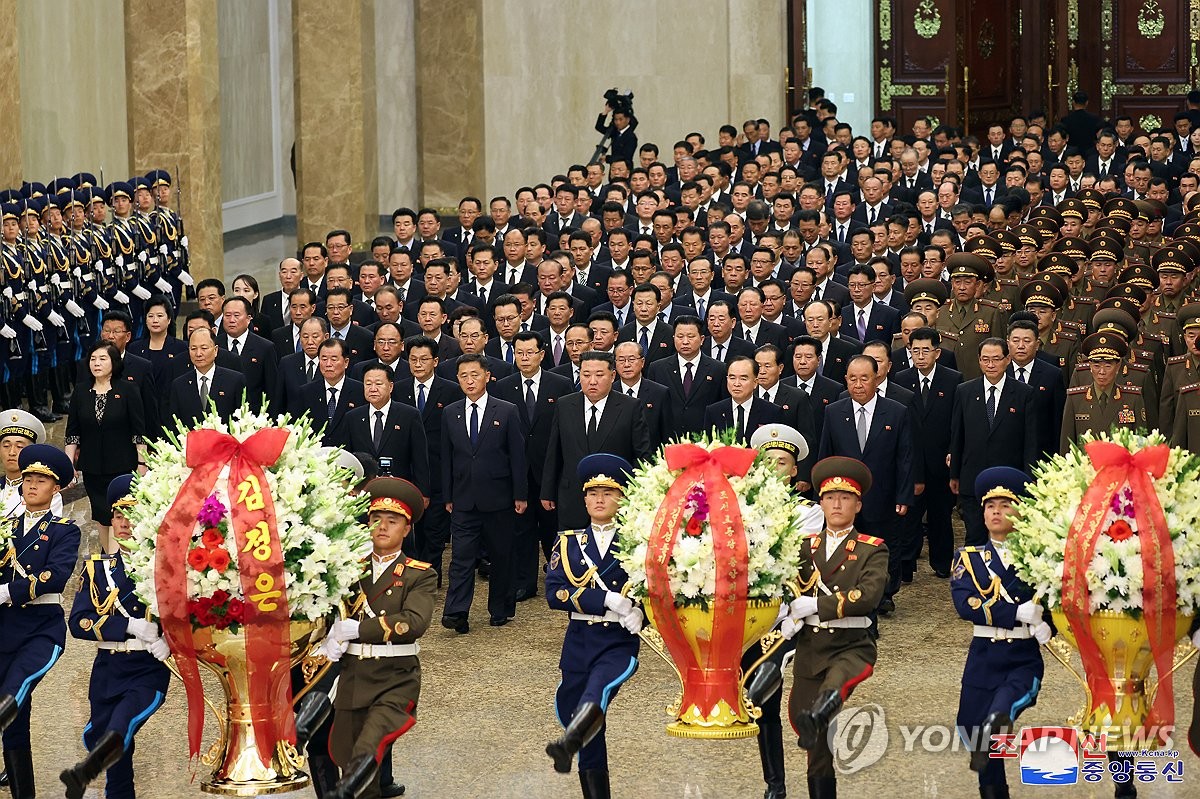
column 992, row 725
column 993, row 792
column 812, row 724
column 822, row 788
column 764, row 682
column 388, row 787
column 108, row 750
column 58, row 391
column 595, row 784
column 587, row 721
column 19, row 764
column 356, row 778
column 35, row 393
column 323, row 772
column 314, row 708
column 770, row 752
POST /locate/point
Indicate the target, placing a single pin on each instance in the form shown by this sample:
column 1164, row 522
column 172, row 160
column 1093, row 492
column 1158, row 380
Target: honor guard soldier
column 126, row 257
column 600, row 649
column 172, row 241
column 786, row 448
column 1102, row 404
column 35, row 564
column 842, row 578
column 19, row 429
column 129, row 680
column 380, row 680
column 1004, row 664
column 968, row 319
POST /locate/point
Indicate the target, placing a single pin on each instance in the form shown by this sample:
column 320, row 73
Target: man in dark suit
column 836, row 352
column 1045, row 378
column 863, row 319
column 473, row 339
column 257, row 356
column 994, row 424
column 276, row 306
column 390, row 431
column 653, row 396
column 300, row 368
column 821, row 392
column 302, row 304
column 460, row 236
column 205, row 385
column 878, row 432
column 360, row 343
column 933, row 386
column 596, row 419
column 483, row 471
column 535, row 393
column 795, row 403
column 694, row 380
column 720, row 344
column 743, row 411
column 430, row 395
column 751, row 326
column 654, row 337
column 328, row 399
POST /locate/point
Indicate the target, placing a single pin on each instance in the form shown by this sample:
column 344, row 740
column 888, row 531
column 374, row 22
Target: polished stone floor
column 486, row 714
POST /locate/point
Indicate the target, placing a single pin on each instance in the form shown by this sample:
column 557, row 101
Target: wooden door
column 914, row 48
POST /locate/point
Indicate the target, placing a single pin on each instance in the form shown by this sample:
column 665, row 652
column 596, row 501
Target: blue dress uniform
column 128, row 683
column 599, row 653
column 1003, row 672
column 34, row 569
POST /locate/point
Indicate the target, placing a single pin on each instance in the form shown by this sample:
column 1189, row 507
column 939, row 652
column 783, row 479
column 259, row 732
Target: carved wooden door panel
column 914, row 47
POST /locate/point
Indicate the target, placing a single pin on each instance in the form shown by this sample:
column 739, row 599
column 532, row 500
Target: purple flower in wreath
column 1122, row 503
column 212, row 512
column 697, row 501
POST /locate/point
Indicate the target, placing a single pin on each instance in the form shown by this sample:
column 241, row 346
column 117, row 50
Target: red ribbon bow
column 709, row 675
column 267, row 625
column 1115, row 465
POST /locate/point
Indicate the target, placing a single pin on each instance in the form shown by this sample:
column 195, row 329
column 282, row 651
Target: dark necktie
column 311, row 372
column 991, row 405
column 377, row 433
column 720, row 349
column 474, row 423
column 766, row 395
column 687, row 379
column 1021, row 374
column 337, row 334
column 233, row 346
column 740, row 430
column 421, row 398
column 629, row 391
column 870, row 216
column 332, row 402
column 592, row 425
column 204, row 392
column 644, row 340
column 400, row 293
column 987, row 197
column 924, row 389
column 483, row 294
column 530, row 397
column 508, row 352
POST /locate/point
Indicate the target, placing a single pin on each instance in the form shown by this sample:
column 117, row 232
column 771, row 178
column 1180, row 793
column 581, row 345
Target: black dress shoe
column 524, row 596
column 485, row 568
column 909, row 570
column 391, row 789
column 499, row 621
column 457, row 623
column 941, row 574
column 887, row 606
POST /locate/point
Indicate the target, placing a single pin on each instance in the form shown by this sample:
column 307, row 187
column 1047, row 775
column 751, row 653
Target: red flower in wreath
column 693, row 527
column 218, row 559
column 198, row 559
column 212, row 538
column 236, row 611
column 1119, row 530
column 220, row 597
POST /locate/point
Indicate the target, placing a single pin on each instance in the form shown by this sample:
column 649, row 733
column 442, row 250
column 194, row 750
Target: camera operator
column 621, row 129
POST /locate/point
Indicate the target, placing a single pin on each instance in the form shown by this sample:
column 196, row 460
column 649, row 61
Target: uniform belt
column 1002, row 633
column 382, row 650
column 131, row 645
column 850, row 622
column 46, row 599
column 608, row 616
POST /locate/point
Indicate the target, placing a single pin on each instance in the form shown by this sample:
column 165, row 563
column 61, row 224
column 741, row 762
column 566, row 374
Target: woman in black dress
column 105, row 429
column 247, row 286
column 160, row 347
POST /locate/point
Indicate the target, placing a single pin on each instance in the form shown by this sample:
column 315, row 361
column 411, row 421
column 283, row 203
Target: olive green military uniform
column 1186, row 429
column 1182, row 370
column 1130, row 375
column 1089, row 410
column 968, row 325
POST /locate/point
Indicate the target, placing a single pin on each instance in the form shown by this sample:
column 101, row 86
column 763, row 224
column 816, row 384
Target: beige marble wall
column 10, row 97
column 287, row 107
column 335, row 117
column 396, row 103
column 174, row 118
column 248, row 154
column 72, row 112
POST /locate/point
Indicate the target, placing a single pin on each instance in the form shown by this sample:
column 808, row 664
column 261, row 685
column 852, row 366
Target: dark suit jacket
column 976, row 445
column 225, row 394
column 686, row 415
column 768, row 333
column 448, row 368
column 835, row 292
column 885, row 210
column 441, row 394
column 901, row 362
column 662, row 342
column 551, row 388
column 655, row 400
column 489, row 475
column 931, row 415
column 1049, row 398
column 291, row 377
column 107, row 446
column 720, row 416
column 284, row 339
column 260, row 364
column 621, row 430
column 733, row 347
column 360, row 342
column 598, row 275
column 888, row 453
column 314, row 398
column 139, row 373
column 272, row 309
column 837, row 353
column 403, row 441
column 883, row 322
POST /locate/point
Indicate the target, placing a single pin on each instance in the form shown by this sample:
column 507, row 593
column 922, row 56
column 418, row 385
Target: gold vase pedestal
column 237, row 769
column 1125, row 646
column 720, row 722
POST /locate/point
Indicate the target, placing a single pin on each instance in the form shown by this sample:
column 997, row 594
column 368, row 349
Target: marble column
column 10, row 97
column 336, row 139
column 450, row 99
column 172, row 84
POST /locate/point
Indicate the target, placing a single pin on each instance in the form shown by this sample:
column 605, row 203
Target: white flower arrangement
column 775, row 520
column 316, row 519
column 1114, row 576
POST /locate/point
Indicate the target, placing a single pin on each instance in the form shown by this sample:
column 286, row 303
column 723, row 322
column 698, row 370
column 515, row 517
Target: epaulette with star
column 986, row 303
column 1078, row 390
column 1189, row 387
column 1177, row 359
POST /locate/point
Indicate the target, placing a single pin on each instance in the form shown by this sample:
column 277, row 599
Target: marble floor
column 486, row 714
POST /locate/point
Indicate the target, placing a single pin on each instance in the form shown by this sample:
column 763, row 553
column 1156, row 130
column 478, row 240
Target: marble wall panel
column 396, row 104
column 248, row 154
column 10, row 97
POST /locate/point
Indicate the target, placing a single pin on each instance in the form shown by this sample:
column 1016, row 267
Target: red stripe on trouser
column 392, row 736
column 851, row 683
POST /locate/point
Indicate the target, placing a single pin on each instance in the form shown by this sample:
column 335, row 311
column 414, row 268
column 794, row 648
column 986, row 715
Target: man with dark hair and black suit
column 276, row 306
column 302, row 304
column 473, row 338
column 483, row 471
column 360, row 344
column 596, row 419
column 863, row 319
column 257, row 356
column 535, row 393
column 751, row 326
column 994, row 424
column 795, row 403
column 1049, row 391
column 205, row 384
column 653, row 396
column 654, row 337
column 299, row 369
column 389, row 351
column 836, row 352
column 744, row 411
column 390, row 431
column 694, row 380
column 933, row 386
column 720, row 344
column 328, row 399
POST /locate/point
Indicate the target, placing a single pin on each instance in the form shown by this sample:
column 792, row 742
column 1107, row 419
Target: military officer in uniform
column 842, row 579
column 380, row 681
column 35, row 564
column 1180, row 370
column 19, row 429
column 969, row 320
column 1186, row 430
column 1102, row 404
column 129, row 680
column 600, row 648
column 1004, row 664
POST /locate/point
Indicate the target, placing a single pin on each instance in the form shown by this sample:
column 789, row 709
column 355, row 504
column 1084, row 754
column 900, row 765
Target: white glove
column 158, row 647
column 74, row 309
column 5, row 596
column 1042, row 632
column 183, row 242
column 8, row 292
column 119, row 260
column 8, row 332
column 121, row 297
column 784, row 609
column 632, row 621
column 802, row 607
column 789, row 628
column 1029, row 612
column 32, row 323
column 332, row 649
column 141, row 293
column 100, row 303
column 164, row 249
column 144, row 631
column 618, row 604
column 344, row 630
column 186, row 279
column 162, row 286
column 142, row 256
column 56, row 319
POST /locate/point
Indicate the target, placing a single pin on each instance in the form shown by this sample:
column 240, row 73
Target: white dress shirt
column 212, row 371
column 380, row 565
column 587, row 410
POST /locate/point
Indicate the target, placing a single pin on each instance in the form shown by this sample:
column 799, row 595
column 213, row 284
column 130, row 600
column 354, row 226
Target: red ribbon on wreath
column 703, row 683
column 260, row 568
column 1115, row 465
